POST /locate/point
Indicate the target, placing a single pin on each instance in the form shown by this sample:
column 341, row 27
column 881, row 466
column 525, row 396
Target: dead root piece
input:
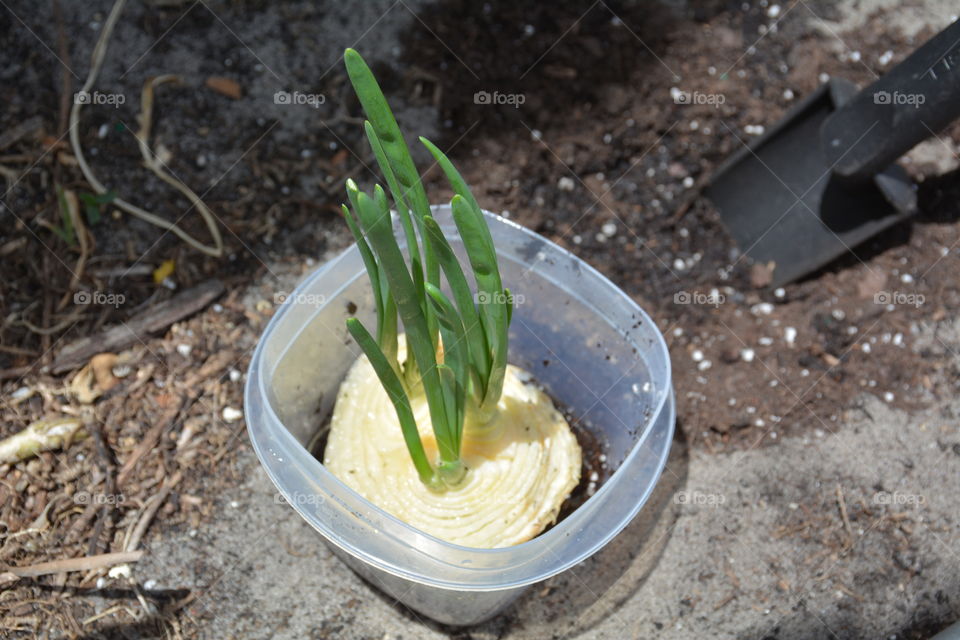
column 42, row 435
column 72, row 564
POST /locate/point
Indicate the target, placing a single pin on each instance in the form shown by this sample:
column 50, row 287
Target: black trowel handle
column 911, row 102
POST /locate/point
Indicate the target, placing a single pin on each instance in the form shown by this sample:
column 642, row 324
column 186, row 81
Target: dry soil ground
column 823, row 469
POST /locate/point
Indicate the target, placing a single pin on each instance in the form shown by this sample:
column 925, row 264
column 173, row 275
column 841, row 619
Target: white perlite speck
column 790, row 335
column 231, row 414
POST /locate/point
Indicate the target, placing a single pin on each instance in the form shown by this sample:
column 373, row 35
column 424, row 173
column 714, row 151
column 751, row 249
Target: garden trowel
column 824, row 178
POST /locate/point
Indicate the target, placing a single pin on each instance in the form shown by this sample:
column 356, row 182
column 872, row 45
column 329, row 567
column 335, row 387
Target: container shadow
column 580, row 598
column 575, row 601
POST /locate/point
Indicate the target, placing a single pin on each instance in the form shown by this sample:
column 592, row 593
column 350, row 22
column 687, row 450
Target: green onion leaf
column 398, row 396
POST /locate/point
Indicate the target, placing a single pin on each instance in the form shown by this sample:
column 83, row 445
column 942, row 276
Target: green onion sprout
column 456, row 343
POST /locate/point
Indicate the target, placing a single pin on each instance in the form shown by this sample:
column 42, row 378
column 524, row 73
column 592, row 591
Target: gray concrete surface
column 746, row 545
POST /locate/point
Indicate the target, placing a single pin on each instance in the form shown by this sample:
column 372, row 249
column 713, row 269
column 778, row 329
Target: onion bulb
column 521, row 465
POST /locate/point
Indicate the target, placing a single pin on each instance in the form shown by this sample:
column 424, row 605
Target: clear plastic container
column 585, row 341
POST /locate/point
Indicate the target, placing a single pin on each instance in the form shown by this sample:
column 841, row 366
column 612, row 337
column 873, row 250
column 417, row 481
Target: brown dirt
column 598, row 113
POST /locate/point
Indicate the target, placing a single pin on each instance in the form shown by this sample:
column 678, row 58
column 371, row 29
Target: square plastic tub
column 589, row 345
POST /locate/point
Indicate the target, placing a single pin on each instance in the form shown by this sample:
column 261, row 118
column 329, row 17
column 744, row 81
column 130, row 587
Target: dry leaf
column 102, row 365
column 83, row 386
column 164, row 271
column 225, row 86
column 42, row 435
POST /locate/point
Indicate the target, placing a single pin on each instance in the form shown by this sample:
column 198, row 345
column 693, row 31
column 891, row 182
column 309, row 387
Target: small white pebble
column 790, row 335
column 751, row 410
column 697, row 355
column 823, row 77
column 677, row 332
column 234, row 504
column 747, row 354
column 120, row 571
column 217, row 308
column 608, row 228
column 759, row 422
column 594, row 476
column 732, row 402
column 565, row 184
column 888, row 396
column 765, row 341
column 885, row 58
column 779, row 292
column 679, row 264
column 773, row 11
column 235, row 375
column 855, row 56
column 804, row 373
column 192, row 533
column 793, row 506
column 150, row 585
column 704, row 365
column 898, row 339
column 688, row 182
column 764, row 308
column 788, row 94
column 231, row 414
column 753, row 129
column 536, row 134
column 906, row 278
column 184, row 349
column 865, row 347
column 101, row 582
